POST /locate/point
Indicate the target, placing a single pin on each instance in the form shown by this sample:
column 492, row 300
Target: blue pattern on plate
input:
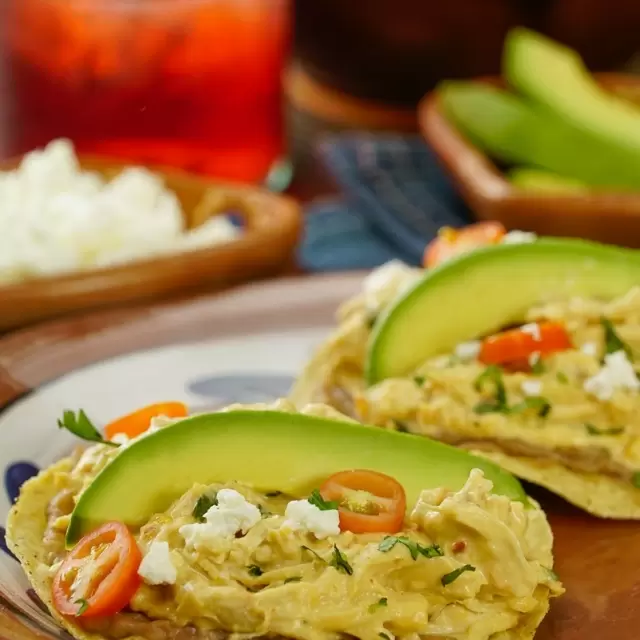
column 225, row 389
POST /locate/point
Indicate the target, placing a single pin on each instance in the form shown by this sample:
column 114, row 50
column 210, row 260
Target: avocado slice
column 556, row 80
column 270, row 451
column 480, row 292
column 512, row 130
column 544, row 182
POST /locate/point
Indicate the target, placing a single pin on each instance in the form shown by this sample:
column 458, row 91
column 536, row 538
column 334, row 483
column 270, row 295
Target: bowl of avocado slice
column 547, row 147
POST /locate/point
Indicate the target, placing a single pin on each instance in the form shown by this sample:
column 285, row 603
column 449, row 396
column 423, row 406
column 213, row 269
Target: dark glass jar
column 396, row 50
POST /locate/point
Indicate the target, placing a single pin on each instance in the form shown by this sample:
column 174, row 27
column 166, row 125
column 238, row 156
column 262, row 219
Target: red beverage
column 194, row 84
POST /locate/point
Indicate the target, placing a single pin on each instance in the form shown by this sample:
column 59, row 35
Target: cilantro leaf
column 255, row 570
column 492, row 375
column 318, row 501
column 562, row 377
column 376, row 605
column 339, row 562
column 538, row 367
column 613, row 342
column 315, row 553
column 401, row 426
column 80, row 425
column 552, row 574
column 541, row 405
column 204, row 503
column 595, row 431
column 83, row 605
column 419, row 380
column 415, row 548
column 448, row 578
column 635, row 479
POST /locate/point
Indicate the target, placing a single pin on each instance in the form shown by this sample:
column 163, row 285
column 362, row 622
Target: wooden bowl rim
column 477, row 172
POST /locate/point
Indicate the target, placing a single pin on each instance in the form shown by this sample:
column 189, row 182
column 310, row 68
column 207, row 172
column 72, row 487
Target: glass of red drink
column 193, row 84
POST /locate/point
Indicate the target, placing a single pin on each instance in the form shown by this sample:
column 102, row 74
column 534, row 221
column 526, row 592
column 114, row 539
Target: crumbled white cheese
column 519, row 237
column 386, row 282
column 532, row 329
column 616, row 373
column 301, row 515
column 121, row 439
column 156, row 566
column 589, row 349
column 57, row 218
column 468, row 350
column 233, row 513
column 531, row 387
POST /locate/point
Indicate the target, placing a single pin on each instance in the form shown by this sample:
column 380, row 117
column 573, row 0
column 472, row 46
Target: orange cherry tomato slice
column 99, row 576
column 369, row 502
column 515, row 346
column 136, row 423
column 452, row 242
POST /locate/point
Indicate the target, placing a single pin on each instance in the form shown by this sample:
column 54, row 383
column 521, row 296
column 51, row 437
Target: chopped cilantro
column 562, row 377
column 254, row 570
column 635, row 479
column 371, row 320
column 318, row 501
column 401, row 426
column 491, row 375
column 415, row 548
column 419, row 380
column 204, row 503
column 315, row 553
column 537, row 367
column 552, row 574
column 595, row 431
column 273, row 494
column 376, row 605
column 541, row 405
column 339, row 562
column 80, row 425
column 448, row 578
column 83, row 605
column 612, row 341
column 292, row 579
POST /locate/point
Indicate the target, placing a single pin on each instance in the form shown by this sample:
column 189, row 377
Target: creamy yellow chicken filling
column 580, row 407
column 224, row 558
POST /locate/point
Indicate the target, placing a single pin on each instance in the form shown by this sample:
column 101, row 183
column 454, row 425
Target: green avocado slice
column 555, row 78
column 517, row 131
column 480, row 292
column 271, row 451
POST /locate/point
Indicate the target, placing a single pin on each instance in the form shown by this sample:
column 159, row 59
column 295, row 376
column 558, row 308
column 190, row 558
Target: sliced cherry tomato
column 369, row 502
column 452, row 242
column 99, row 576
column 136, row 423
column 516, row 345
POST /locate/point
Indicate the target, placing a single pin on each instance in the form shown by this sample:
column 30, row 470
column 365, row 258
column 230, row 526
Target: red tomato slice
column 516, row 345
column 452, row 242
column 370, row 502
column 136, row 423
column 100, row 575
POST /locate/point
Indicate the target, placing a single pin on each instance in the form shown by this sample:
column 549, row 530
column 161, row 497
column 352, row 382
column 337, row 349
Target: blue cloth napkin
column 396, row 198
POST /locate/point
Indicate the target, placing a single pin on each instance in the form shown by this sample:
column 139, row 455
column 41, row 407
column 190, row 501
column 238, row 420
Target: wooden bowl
column 607, row 216
column 271, row 226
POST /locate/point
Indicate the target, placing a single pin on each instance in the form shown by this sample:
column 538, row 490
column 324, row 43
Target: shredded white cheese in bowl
column 56, row 218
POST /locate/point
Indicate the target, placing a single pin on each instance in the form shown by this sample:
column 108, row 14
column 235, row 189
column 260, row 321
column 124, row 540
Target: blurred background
column 326, row 100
